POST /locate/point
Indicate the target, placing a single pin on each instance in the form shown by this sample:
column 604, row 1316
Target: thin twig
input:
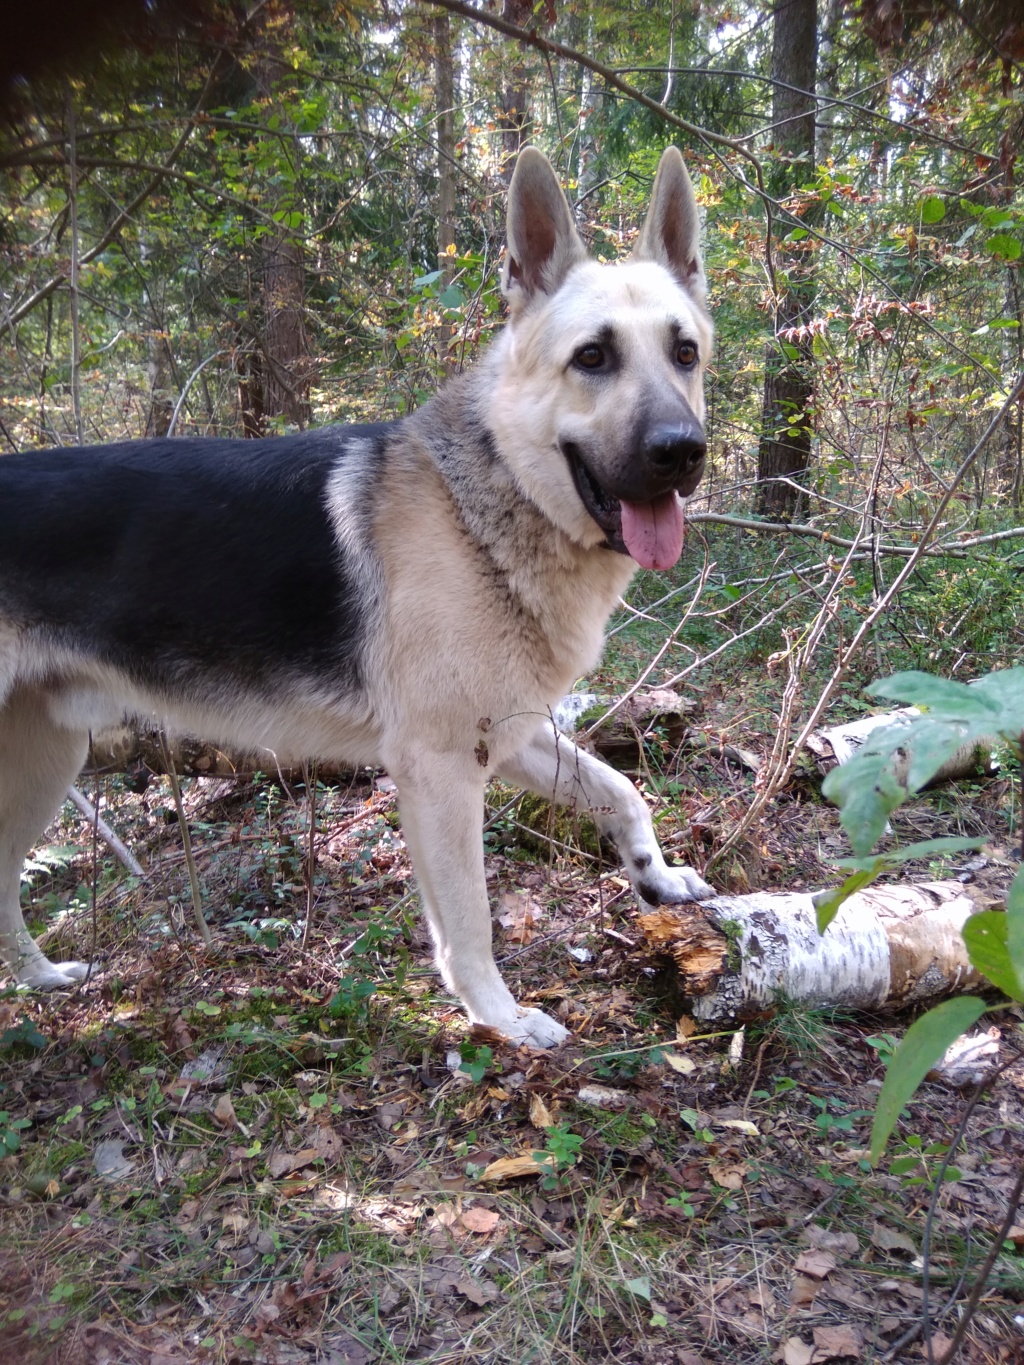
column 92, row 814
column 309, row 771
column 186, row 839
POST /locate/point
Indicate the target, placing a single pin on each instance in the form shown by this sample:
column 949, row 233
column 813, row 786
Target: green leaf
column 865, row 870
column 933, row 209
column 1015, row 925
column 827, row 903
column 986, row 936
column 641, row 1287
column 1004, row 247
column 453, row 297
column 924, row 848
column 923, row 1044
column 867, row 790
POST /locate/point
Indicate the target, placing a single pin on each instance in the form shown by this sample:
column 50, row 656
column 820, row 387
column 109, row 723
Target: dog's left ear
column 543, row 244
column 671, row 231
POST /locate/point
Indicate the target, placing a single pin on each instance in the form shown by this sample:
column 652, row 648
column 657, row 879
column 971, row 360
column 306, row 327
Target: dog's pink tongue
column 653, row 531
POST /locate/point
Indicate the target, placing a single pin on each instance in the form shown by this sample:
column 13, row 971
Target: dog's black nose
column 676, row 448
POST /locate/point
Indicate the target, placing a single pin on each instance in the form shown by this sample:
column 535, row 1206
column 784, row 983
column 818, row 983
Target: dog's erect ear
column 671, row 231
column 543, row 244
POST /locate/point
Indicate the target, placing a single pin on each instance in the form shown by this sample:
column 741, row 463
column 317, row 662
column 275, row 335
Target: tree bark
column 888, row 946
column 514, row 117
column 787, row 414
column 286, row 370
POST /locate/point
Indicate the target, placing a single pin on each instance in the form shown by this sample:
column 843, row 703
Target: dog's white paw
column 535, row 1029
column 51, row 976
column 672, row 885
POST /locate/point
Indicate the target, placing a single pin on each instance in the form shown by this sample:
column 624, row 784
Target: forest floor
column 271, row 1152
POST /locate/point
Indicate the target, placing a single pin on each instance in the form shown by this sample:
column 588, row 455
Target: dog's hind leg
column 441, row 803
column 38, row 760
column 552, row 766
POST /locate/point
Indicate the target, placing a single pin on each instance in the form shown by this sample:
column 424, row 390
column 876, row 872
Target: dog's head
column 600, row 400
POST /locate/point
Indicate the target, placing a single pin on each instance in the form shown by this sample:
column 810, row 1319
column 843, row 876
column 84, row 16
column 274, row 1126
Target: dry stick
column 943, row 548
column 979, row 1286
column 186, row 839
column 781, row 777
column 309, row 772
column 924, row 1325
column 82, row 803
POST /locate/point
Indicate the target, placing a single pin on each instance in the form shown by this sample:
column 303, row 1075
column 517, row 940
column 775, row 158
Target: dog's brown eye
column 686, row 353
column 590, row 357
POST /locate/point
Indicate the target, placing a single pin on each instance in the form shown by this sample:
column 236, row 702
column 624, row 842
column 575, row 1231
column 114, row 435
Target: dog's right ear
column 543, row 244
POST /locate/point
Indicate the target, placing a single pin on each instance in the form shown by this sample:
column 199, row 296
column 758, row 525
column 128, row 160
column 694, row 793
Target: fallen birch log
column 887, row 947
column 840, row 743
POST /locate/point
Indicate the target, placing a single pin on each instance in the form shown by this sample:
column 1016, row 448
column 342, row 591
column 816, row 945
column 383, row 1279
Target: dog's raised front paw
column 535, row 1029
column 672, row 885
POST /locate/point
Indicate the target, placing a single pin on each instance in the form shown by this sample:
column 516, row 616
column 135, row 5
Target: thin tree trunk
column 514, row 117
column 287, row 369
column 787, row 415
column 444, row 94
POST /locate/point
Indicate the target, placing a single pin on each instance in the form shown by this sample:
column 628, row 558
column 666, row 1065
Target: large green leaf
column 986, row 936
column 922, row 1046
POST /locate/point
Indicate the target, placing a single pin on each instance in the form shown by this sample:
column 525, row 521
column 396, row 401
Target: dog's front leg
column 552, row 766
column 441, row 799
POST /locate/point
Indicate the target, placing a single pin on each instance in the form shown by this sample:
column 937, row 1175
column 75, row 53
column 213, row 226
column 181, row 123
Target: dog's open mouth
column 651, row 532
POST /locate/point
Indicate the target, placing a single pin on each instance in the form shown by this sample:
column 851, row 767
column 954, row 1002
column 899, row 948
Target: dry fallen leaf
column 740, row 1126
column 477, row 1291
column 224, row 1112
column 684, row 1065
column 513, row 1167
column 842, row 1243
column 885, row 1239
column 283, row 1163
column 540, row 1114
column 728, row 1174
column 843, row 1340
column 797, row 1352
column 940, row 1345
column 815, row 1263
column 478, row 1219
column 804, row 1291
column 518, row 917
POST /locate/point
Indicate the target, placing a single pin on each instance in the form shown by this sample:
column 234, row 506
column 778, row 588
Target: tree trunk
column 286, row 370
column 514, row 117
column 444, row 97
column 787, row 413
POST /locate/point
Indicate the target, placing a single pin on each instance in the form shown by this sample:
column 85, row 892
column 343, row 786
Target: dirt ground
column 277, row 1151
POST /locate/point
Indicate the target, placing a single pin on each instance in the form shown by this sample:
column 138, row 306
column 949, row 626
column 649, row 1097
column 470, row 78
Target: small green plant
column 896, row 762
column 23, row 1034
column 681, row 1201
column 832, row 1117
column 885, row 1044
column 476, row 1060
column 919, row 1163
column 693, row 1120
column 561, row 1152
column 11, row 1130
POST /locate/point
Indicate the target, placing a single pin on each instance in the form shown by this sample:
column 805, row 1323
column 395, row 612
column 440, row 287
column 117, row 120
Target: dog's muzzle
column 636, row 505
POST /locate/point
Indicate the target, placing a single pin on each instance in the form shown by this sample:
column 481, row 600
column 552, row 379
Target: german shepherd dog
column 414, row 594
